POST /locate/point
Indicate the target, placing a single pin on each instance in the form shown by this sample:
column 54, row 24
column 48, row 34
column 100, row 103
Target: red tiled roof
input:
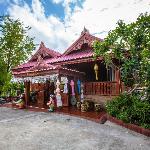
column 78, row 55
column 25, row 65
column 42, row 50
column 72, row 53
column 37, row 66
column 41, row 66
column 45, row 67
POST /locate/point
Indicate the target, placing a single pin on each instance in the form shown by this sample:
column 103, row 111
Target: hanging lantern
column 96, row 71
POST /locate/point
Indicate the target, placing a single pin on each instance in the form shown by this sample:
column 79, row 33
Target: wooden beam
column 27, row 93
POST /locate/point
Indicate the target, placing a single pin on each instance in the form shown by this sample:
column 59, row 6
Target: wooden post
column 41, row 99
column 117, row 78
column 75, row 86
column 27, row 92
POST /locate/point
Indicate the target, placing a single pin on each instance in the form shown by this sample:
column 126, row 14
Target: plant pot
column 97, row 107
column 79, row 105
column 90, row 104
column 84, row 108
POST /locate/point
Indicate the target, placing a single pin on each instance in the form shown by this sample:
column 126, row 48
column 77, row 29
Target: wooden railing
column 101, row 88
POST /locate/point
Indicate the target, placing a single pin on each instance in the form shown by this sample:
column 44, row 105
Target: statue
column 50, row 103
column 73, row 99
column 58, row 96
column 96, row 71
column 66, row 86
column 20, row 103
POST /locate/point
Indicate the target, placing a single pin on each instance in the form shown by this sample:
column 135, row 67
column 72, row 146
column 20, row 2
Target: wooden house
column 77, row 63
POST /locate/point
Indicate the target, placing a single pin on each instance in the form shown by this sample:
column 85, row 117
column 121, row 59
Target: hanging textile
column 96, row 71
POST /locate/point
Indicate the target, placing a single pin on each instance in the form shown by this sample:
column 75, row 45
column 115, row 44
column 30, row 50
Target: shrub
column 146, row 126
column 130, row 109
column 140, row 112
column 124, row 116
column 118, row 104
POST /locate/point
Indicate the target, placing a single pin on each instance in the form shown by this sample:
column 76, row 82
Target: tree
column 130, row 44
column 15, row 46
column 3, row 76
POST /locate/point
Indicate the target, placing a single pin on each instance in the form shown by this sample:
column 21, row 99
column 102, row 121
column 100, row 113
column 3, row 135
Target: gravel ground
column 25, row 130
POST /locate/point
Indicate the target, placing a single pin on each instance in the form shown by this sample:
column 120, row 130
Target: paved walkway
column 26, row 130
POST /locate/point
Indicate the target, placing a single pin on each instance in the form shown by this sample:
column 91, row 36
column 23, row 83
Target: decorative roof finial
column 39, row 59
column 42, row 44
column 84, row 30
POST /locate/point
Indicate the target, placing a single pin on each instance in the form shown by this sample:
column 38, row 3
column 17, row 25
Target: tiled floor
column 91, row 115
column 73, row 111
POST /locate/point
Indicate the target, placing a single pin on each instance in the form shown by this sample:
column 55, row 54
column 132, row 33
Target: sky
column 58, row 23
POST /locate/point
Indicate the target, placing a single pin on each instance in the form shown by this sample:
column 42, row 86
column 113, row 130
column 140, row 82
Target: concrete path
column 24, row 130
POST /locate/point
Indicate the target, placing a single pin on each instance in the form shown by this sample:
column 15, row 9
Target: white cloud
column 16, row 1
column 63, row 1
column 50, row 29
column 38, row 9
column 102, row 15
column 98, row 16
column 57, row 1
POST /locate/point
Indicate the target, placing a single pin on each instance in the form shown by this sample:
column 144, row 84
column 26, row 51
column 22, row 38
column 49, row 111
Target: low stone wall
column 129, row 126
column 99, row 99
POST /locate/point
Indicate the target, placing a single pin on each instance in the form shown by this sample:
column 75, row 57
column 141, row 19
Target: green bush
column 124, row 116
column 140, row 112
column 10, row 89
column 130, row 109
column 146, row 126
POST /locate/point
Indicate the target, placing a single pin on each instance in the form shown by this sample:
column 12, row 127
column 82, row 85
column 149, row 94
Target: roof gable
column 85, row 38
column 41, row 65
column 45, row 53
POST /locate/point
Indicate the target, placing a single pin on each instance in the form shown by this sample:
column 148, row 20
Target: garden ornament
column 79, row 86
column 96, row 71
column 50, row 103
column 20, row 103
column 58, row 96
column 65, row 86
column 73, row 99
